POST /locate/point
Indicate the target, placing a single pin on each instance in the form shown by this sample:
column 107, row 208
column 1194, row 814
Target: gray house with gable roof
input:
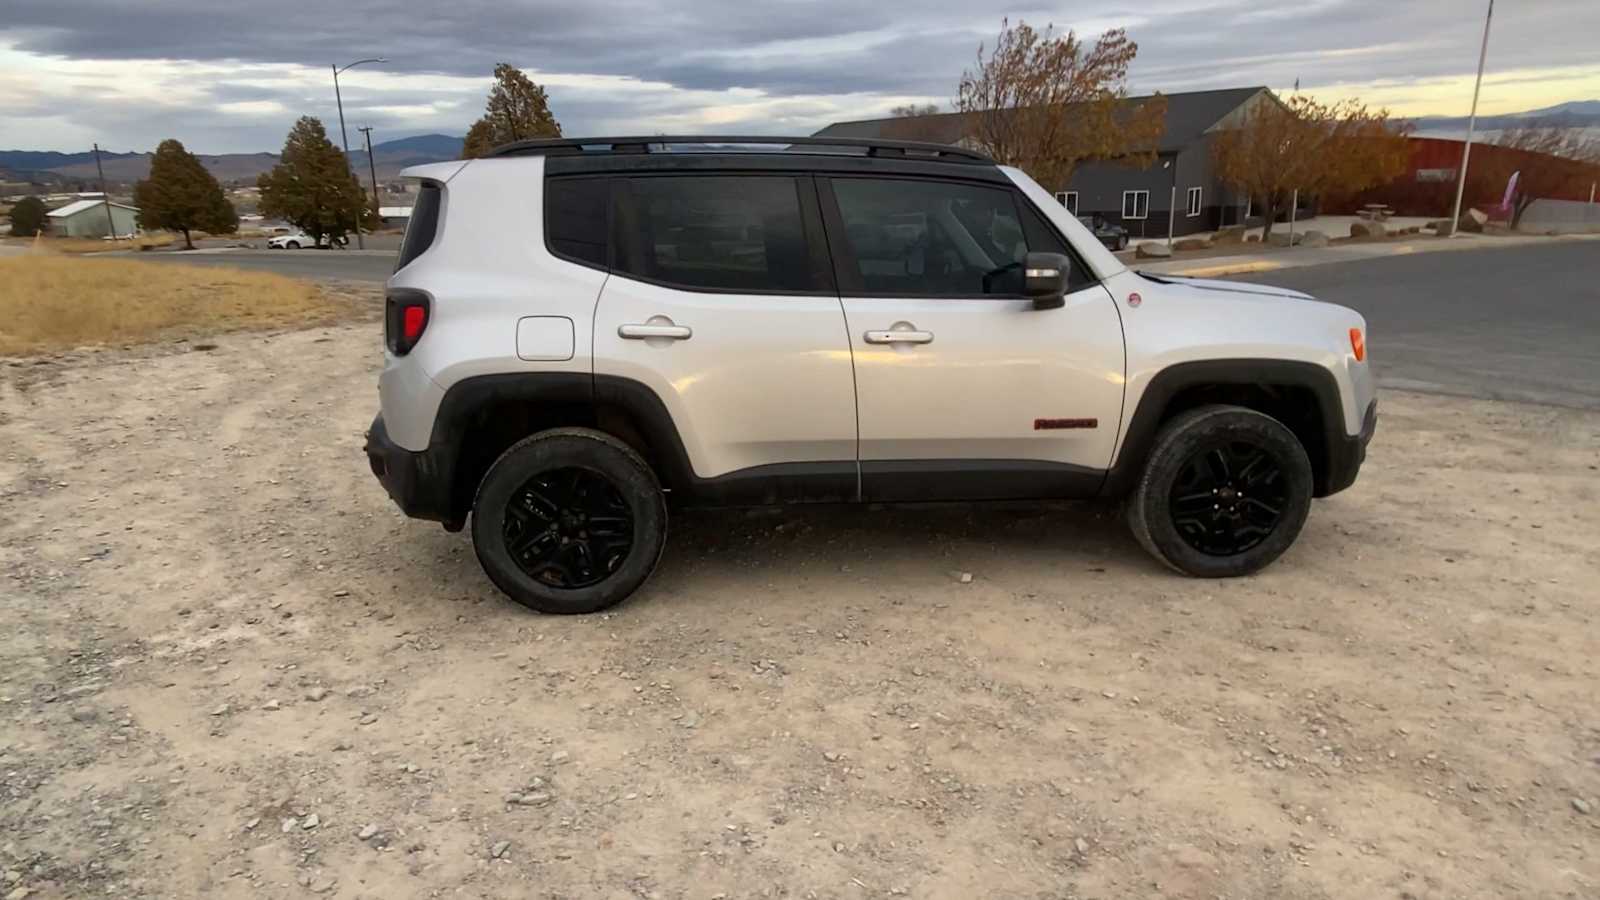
column 1180, row 180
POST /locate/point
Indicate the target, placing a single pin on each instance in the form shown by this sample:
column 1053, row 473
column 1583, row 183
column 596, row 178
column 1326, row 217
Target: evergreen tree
column 180, row 195
column 517, row 109
column 27, row 217
column 312, row 187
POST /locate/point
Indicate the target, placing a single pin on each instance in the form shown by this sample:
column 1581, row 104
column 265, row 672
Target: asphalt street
column 1513, row 323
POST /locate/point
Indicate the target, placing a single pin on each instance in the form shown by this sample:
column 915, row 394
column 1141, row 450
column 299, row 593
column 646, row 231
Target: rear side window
column 422, row 226
column 575, row 218
column 715, row 233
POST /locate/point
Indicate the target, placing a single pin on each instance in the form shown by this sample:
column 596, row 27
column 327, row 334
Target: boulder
column 1232, row 234
column 1474, row 220
column 1364, row 229
column 1441, row 227
column 1192, row 244
column 1252, row 239
column 1153, row 250
column 1314, row 239
column 1283, row 239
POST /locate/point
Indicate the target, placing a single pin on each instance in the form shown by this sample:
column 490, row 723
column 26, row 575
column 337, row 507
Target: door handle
column 644, row 332
column 899, row 337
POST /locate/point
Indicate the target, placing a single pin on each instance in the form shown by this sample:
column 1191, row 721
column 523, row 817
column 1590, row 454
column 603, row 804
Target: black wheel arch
column 1302, row 395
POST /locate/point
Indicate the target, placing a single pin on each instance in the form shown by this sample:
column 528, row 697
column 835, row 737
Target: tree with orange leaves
column 1045, row 103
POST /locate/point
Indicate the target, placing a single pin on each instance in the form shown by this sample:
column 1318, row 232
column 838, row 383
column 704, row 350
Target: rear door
column 964, row 390
column 721, row 301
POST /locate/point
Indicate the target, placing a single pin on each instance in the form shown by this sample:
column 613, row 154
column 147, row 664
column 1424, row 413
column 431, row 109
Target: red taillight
column 405, row 319
column 415, row 318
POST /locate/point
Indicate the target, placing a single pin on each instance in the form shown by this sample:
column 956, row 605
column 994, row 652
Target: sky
column 230, row 76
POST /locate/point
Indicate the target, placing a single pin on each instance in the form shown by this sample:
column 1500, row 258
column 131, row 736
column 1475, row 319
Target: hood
column 1227, row 287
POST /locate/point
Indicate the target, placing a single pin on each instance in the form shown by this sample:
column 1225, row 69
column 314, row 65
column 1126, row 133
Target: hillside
column 51, row 167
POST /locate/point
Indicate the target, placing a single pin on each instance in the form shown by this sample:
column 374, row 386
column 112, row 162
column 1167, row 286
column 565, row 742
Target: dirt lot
column 229, row 668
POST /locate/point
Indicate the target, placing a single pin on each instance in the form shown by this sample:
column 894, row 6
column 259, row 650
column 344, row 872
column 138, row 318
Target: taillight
column 1358, row 345
column 406, row 314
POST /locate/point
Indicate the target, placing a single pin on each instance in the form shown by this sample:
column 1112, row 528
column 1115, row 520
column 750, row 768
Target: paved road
column 322, row 264
column 1514, row 323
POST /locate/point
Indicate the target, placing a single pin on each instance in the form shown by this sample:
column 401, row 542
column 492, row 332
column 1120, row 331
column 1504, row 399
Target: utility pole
column 372, row 167
column 1472, row 120
column 111, row 224
column 344, row 136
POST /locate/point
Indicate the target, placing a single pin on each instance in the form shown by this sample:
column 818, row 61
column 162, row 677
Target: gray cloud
column 827, row 48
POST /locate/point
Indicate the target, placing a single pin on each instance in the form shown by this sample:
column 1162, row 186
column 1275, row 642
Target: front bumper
column 419, row 482
column 1346, row 454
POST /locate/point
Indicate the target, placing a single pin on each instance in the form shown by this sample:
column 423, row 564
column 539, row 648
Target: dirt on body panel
column 230, row 668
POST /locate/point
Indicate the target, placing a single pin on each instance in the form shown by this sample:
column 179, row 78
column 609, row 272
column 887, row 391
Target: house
column 87, row 218
column 1180, row 180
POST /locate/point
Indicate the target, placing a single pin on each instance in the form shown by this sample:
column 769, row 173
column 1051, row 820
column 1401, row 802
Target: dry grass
column 55, row 303
column 48, row 244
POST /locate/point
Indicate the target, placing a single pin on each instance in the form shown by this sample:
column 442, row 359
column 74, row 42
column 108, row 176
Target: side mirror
column 1045, row 279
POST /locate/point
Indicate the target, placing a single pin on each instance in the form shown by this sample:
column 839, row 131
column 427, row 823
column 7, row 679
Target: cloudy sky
column 231, row 76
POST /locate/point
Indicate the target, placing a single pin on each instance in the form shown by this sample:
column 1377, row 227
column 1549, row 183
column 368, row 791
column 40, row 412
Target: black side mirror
column 1045, row 279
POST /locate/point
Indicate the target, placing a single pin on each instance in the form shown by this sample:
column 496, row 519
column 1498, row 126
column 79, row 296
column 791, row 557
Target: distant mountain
column 1576, row 114
column 54, row 168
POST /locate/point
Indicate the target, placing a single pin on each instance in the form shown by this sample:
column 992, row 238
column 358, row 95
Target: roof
column 1190, row 114
column 743, row 144
column 78, row 206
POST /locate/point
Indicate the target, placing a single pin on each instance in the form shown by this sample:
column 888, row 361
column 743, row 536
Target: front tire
column 569, row 521
column 292, row 245
column 1225, row 491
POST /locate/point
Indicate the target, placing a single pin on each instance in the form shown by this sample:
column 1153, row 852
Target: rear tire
column 569, row 521
column 1226, row 491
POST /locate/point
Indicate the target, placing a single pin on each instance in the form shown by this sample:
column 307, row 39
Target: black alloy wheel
column 1228, row 498
column 568, row 528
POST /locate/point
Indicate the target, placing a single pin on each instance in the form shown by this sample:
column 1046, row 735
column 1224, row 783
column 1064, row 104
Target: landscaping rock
column 1474, row 220
column 1192, row 244
column 1441, row 227
column 1252, row 239
column 1285, row 239
column 1367, row 229
column 1314, row 239
column 1153, row 250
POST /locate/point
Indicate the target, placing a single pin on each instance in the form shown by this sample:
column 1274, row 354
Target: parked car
column 611, row 331
column 1114, row 237
column 296, row 240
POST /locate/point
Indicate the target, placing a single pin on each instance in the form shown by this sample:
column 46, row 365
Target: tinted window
column 729, row 233
column 932, row 238
column 422, row 225
column 575, row 218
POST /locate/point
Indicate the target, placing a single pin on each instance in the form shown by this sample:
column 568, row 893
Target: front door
column 963, row 389
column 722, row 303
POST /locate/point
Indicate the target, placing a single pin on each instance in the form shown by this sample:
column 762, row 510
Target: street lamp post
column 1472, row 120
column 343, row 136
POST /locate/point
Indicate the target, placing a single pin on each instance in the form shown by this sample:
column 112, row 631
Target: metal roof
column 1189, row 115
column 78, row 206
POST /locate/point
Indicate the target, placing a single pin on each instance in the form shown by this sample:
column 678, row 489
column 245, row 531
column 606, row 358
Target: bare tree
column 1311, row 147
column 912, row 110
column 1046, row 103
column 1554, row 160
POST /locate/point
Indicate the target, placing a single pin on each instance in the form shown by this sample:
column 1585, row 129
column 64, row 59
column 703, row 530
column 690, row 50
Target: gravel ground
column 230, row 668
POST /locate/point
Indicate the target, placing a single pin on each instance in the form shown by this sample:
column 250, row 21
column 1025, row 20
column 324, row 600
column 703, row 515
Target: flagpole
column 1472, row 120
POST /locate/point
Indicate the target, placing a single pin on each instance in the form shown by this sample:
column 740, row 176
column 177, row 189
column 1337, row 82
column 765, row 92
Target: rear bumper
column 418, row 481
column 1346, row 454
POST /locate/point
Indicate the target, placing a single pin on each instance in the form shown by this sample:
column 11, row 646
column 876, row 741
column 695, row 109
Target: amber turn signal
column 1358, row 345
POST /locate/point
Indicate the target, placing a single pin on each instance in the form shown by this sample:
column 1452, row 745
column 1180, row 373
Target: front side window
column 715, row 233
column 931, row 238
column 1135, row 204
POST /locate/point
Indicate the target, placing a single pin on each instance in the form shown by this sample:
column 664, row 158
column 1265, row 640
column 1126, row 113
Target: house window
column 1069, row 199
column 1135, row 204
column 1194, row 201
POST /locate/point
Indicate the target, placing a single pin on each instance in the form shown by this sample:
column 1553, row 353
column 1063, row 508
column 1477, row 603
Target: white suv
column 582, row 332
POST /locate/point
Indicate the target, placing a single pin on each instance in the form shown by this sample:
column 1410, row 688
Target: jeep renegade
column 583, row 332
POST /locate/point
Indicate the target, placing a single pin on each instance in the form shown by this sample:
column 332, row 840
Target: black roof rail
column 645, row 144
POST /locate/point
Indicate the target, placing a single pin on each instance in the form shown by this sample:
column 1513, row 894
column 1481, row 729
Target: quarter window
column 1135, row 204
column 941, row 239
column 1194, row 201
column 716, row 233
column 575, row 218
